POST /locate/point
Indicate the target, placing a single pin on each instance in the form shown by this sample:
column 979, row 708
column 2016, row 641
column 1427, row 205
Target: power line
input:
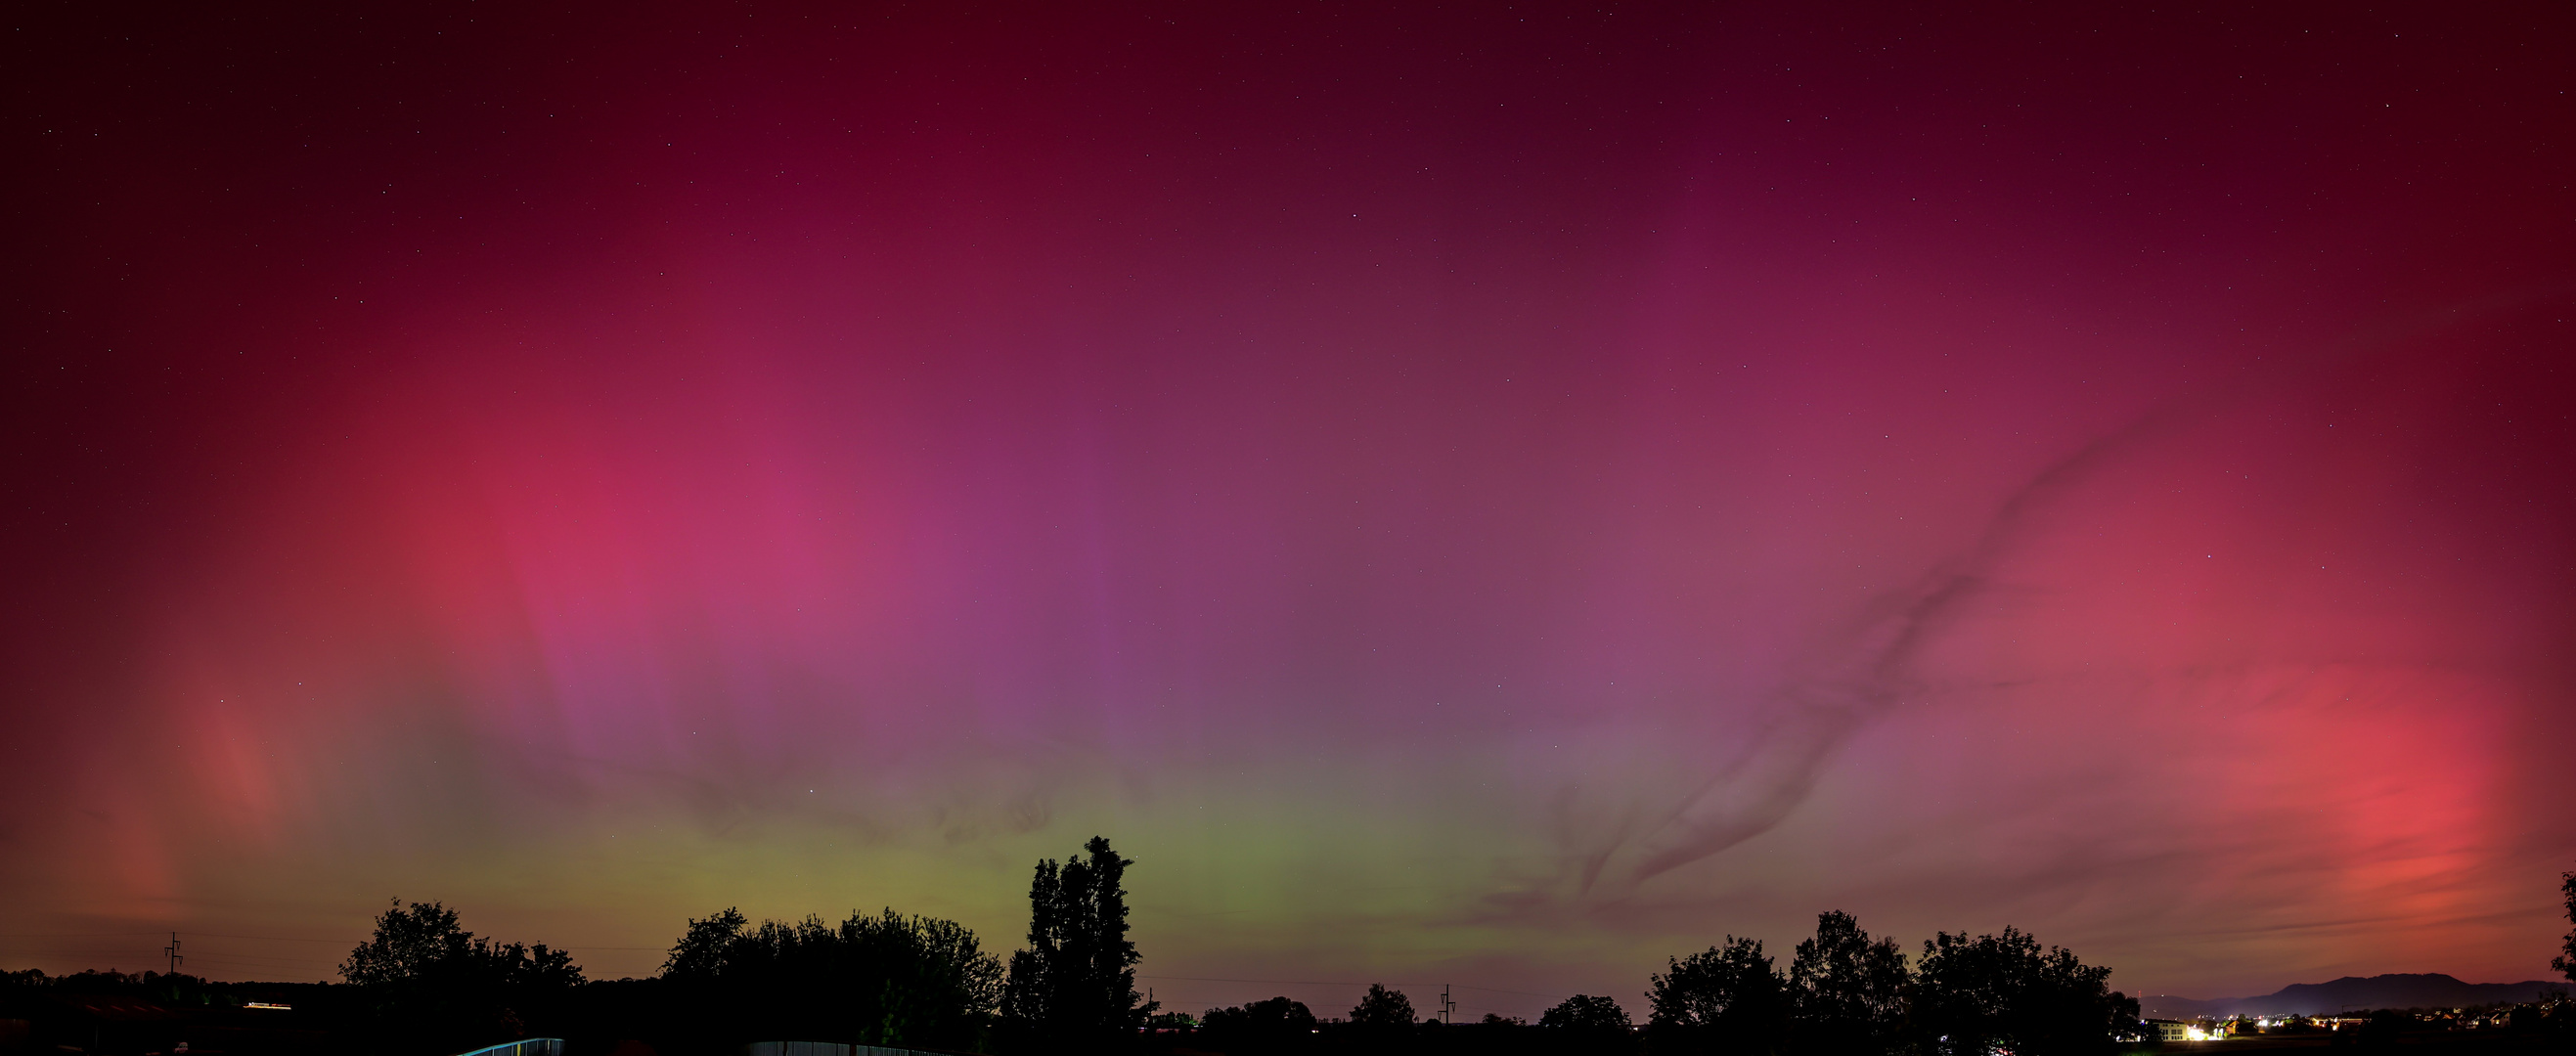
column 77, row 934
column 271, row 962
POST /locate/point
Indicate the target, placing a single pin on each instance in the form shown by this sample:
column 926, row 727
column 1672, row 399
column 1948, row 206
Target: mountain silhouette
column 2401, row 990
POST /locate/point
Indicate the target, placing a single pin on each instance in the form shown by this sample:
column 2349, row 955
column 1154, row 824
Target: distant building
column 2169, row 1030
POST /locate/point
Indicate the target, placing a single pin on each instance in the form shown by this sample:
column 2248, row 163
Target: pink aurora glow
column 1452, row 495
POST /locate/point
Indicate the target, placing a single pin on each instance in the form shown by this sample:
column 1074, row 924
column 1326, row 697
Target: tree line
column 1843, row 993
column 422, row 983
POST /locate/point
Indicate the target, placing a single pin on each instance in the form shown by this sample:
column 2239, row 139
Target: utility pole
column 173, row 951
column 1446, row 1006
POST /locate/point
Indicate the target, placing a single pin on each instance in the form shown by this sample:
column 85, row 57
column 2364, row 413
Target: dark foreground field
column 114, row 1015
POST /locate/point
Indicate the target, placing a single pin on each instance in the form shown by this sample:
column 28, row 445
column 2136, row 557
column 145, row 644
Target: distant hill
column 2433, row 990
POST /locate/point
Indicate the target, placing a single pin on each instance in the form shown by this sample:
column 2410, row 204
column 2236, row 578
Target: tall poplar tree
column 1078, row 976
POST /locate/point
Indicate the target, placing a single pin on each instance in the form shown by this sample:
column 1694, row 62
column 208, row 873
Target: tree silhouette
column 425, row 946
column 434, row 983
column 2380, row 1030
column 882, row 980
column 704, row 949
column 408, row 944
column 1728, row 998
column 1078, row 976
column 1846, row 992
column 1381, row 1007
column 2565, row 962
column 1275, row 1018
column 1586, row 1013
column 1974, row 996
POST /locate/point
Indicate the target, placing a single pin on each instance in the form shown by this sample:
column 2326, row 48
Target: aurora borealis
column 1497, row 495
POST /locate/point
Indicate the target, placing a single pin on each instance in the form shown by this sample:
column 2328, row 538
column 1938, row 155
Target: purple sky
column 1499, row 495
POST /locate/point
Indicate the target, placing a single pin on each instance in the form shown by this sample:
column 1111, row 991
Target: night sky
column 1490, row 494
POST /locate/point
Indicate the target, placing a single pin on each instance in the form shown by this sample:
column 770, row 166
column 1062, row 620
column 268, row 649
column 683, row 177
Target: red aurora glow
column 1506, row 495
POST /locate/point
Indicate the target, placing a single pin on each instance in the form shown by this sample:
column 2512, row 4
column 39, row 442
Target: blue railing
column 521, row 1047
